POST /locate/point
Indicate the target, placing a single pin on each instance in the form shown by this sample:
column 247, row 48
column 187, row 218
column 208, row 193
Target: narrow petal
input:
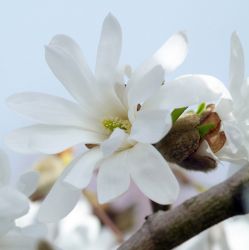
column 237, row 67
column 13, row 203
column 28, row 183
column 151, row 125
column 152, row 174
column 51, row 110
column 4, row 169
column 189, row 90
column 69, row 46
column 113, row 177
column 114, row 142
column 75, row 77
column 80, row 174
column 139, row 91
column 49, row 139
column 169, row 56
column 61, row 199
column 109, row 49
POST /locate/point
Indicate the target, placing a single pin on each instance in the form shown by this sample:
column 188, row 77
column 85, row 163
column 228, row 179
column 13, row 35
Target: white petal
column 4, row 169
column 13, row 203
column 36, row 230
column 152, row 174
column 189, row 90
column 142, row 89
column 234, row 149
column 169, row 56
column 61, row 199
column 150, row 125
column 114, row 142
column 50, row 110
column 121, row 92
column 5, row 226
column 205, row 150
column 109, row 49
column 69, row 46
column 113, row 177
column 237, row 67
column 15, row 240
column 80, row 174
column 49, row 139
column 28, row 182
column 76, row 77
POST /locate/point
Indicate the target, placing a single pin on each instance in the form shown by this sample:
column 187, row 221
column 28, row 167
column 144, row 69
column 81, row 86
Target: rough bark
column 165, row 230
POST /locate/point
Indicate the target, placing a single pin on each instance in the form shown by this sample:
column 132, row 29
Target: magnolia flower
column 230, row 139
column 233, row 112
column 15, row 204
column 117, row 120
column 237, row 119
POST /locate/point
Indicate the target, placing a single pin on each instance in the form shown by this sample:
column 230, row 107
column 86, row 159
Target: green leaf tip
column 176, row 113
column 205, row 129
column 201, row 108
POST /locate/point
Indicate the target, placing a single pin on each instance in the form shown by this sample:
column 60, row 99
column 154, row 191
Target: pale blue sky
column 26, row 26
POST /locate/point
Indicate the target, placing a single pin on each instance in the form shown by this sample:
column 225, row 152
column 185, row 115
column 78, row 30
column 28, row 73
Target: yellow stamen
column 116, row 122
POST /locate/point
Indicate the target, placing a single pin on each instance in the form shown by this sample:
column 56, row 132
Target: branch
column 166, row 230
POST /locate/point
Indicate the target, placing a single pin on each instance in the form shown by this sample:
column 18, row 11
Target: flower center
column 116, row 122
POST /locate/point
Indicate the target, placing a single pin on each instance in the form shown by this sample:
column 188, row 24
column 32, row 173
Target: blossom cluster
column 134, row 122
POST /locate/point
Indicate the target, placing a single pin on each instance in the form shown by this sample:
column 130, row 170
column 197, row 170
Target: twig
column 166, row 230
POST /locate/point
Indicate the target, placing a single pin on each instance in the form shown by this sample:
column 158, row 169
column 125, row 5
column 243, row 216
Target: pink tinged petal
column 51, row 110
column 114, row 142
column 113, row 177
column 152, row 174
column 237, row 67
column 80, row 174
column 61, row 199
column 109, row 49
column 150, row 125
column 76, row 78
column 169, row 56
column 49, row 139
column 4, row 169
column 145, row 87
column 28, row 183
column 13, row 203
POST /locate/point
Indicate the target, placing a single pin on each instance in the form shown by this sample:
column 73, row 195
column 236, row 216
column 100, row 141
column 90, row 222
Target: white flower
column 120, row 120
column 13, row 200
column 82, row 230
column 79, row 230
column 236, row 119
column 14, row 204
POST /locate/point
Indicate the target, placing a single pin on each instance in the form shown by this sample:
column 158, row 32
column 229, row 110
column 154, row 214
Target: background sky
column 26, row 26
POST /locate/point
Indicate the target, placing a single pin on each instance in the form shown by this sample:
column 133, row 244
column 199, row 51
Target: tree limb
column 166, row 230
